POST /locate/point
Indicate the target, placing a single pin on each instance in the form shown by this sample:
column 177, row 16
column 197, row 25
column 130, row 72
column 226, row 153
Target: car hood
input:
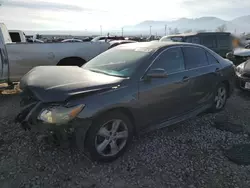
column 242, row 52
column 58, row 83
column 246, row 66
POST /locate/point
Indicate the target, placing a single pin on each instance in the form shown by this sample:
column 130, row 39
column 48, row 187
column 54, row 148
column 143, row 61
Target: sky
column 110, row 14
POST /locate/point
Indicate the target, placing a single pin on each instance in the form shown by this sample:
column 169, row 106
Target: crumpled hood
column 242, row 52
column 247, row 66
column 57, row 83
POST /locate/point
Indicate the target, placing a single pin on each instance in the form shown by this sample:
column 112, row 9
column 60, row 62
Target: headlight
column 59, row 114
column 240, row 68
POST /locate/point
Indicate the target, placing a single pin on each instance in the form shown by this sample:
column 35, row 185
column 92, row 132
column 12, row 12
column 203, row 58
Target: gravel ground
column 189, row 154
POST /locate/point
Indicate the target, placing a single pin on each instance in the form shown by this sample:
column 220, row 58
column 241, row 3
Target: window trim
column 142, row 77
column 213, row 57
column 200, row 66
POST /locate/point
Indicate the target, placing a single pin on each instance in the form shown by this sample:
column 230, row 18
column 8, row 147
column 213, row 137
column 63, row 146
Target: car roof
column 154, row 45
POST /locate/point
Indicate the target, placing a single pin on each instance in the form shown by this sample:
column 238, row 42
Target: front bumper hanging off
column 27, row 119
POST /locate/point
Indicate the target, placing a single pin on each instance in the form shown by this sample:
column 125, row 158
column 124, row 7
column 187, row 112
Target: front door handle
column 185, row 78
column 217, row 71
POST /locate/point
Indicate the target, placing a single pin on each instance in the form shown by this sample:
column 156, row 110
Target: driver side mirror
column 157, row 73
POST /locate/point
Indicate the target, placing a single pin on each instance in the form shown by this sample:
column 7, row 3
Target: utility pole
column 101, row 29
column 122, row 31
column 150, row 30
column 165, row 30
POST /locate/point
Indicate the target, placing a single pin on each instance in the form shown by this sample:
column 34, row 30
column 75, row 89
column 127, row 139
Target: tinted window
column 171, row 60
column 211, row 59
column 194, row 57
column 15, row 37
column 195, row 40
column 223, row 40
column 209, row 41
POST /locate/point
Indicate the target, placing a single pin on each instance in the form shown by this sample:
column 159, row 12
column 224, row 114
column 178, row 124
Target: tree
column 174, row 31
column 222, row 28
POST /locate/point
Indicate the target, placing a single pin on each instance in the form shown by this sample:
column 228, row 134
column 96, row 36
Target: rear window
column 15, row 37
column 223, row 41
column 209, row 41
column 195, row 40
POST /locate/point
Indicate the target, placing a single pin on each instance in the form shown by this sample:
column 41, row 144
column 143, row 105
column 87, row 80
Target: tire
column 102, row 137
column 220, row 97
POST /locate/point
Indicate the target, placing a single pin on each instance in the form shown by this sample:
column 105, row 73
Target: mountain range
column 238, row 25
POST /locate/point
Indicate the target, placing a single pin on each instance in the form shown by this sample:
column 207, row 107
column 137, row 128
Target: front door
column 164, row 98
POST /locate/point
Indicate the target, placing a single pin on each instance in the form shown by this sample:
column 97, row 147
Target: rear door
column 203, row 75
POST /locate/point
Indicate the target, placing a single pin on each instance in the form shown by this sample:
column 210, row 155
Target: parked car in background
column 219, row 42
column 243, row 75
column 16, row 59
column 72, row 40
column 107, row 38
column 30, row 40
column 239, row 55
column 114, row 43
column 128, row 89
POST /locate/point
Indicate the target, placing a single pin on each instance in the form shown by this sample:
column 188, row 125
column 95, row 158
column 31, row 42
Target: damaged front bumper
column 27, row 118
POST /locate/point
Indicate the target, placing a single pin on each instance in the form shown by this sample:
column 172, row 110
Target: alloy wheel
column 111, row 138
column 220, row 98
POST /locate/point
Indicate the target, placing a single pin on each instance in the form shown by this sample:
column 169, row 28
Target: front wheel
column 220, row 98
column 109, row 136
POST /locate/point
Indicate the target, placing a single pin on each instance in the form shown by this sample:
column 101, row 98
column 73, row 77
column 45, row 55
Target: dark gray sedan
column 128, row 89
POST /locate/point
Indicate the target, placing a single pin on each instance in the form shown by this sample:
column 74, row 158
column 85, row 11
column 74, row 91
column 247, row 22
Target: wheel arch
column 73, row 60
column 227, row 84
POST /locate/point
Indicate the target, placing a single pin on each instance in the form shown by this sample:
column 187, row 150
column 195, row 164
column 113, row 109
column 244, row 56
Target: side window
column 195, row 40
column 171, row 60
column 223, row 41
column 209, row 41
column 194, row 57
column 211, row 59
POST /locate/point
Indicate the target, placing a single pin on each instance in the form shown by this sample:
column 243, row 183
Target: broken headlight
column 59, row 114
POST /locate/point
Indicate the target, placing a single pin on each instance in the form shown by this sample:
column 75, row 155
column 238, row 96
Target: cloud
column 44, row 5
column 227, row 9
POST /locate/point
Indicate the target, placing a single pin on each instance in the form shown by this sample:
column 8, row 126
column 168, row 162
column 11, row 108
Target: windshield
column 117, row 62
column 172, row 38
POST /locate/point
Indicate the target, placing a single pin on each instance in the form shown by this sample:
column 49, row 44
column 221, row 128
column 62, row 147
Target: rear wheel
column 109, row 136
column 220, row 98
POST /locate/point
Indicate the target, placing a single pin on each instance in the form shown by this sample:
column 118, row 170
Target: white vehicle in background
column 16, row 59
column 72, row 40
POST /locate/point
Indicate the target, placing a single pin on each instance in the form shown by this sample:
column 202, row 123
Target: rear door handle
column 185, row 78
